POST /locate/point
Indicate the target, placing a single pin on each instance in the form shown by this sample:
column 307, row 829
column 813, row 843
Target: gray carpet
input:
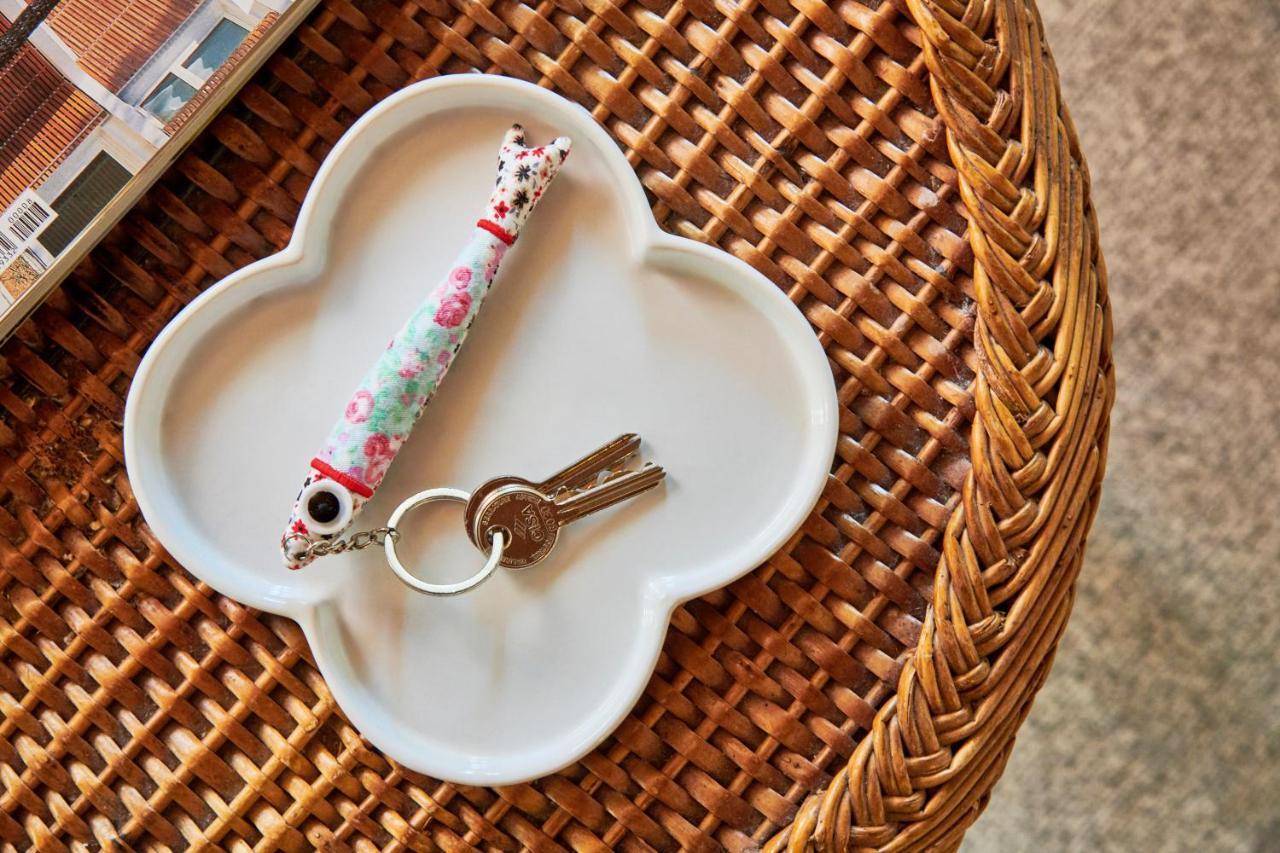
column 1159, row 728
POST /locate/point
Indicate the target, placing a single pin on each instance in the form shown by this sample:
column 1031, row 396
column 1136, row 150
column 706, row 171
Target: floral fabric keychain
column 384, row 408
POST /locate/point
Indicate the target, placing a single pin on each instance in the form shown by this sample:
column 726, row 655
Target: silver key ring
column 393, row 559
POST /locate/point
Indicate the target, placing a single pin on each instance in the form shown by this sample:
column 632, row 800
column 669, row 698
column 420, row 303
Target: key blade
column 616, row 490
column 588, row 468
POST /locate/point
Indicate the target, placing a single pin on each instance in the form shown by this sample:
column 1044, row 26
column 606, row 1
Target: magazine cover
column 96, row 98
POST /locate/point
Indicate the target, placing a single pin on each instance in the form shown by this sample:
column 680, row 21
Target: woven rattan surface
column 903, row 169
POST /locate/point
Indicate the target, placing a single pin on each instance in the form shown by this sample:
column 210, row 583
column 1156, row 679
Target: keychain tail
column 524, row 173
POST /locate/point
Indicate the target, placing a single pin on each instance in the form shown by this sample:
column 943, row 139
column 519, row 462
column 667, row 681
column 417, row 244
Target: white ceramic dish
column 600, row 324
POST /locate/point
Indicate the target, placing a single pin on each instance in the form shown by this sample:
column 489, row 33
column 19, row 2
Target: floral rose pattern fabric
column 383, row 410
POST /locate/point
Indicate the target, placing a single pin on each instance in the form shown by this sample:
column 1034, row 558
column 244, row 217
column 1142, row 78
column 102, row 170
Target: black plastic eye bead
column 324, row 506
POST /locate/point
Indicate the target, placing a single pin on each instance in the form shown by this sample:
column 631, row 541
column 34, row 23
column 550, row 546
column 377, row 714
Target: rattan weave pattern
column 904, row 170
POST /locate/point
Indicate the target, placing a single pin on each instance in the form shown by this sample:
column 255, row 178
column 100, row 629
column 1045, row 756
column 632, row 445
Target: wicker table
column 904, row 169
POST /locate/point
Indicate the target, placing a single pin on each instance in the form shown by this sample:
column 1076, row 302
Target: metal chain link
column 361, row 540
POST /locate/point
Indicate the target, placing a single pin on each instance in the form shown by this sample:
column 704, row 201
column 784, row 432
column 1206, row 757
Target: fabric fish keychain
column 383, row 410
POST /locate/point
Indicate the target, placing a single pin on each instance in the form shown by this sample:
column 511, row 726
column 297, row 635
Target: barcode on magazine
column 7, row 250
column 26, row 220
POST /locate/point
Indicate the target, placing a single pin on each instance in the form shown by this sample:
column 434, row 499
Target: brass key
column 582, row 473
column 530, row 515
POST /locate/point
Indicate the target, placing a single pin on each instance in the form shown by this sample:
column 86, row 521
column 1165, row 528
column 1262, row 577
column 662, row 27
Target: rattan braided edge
column 1013, row 548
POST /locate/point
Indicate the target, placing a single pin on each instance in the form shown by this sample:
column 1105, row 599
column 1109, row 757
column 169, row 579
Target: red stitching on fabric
column 345, row 479
column 496, row 230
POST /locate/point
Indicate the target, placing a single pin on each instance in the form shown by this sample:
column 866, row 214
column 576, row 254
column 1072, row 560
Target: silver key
column 530, row 516
column 583, row 473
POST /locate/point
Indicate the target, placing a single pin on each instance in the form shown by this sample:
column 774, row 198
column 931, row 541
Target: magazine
column 96, row 98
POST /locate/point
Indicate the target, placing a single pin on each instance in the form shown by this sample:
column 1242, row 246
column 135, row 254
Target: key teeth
column 654, row 472
column 647, row 472
column 621, row 468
